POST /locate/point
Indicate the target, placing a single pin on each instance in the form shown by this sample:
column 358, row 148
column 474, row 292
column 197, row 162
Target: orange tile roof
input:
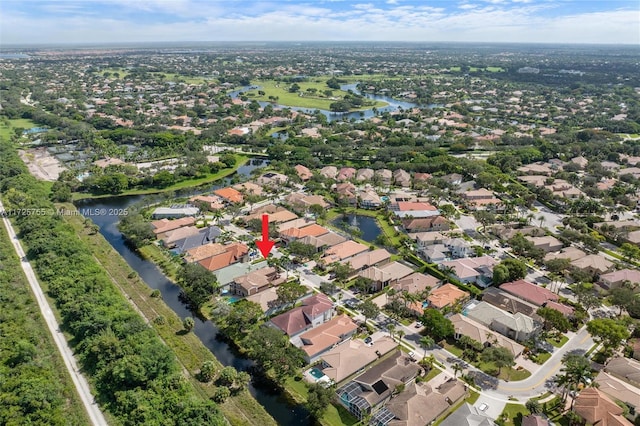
column 165, row 225
column 229, row 194
column 313, row 230
column 446, row 295
column 232, row 255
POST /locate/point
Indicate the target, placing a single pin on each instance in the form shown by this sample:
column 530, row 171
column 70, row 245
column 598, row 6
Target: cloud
column 190, row 20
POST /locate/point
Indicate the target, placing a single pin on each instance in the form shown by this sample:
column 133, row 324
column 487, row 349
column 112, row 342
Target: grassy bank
column 241, row 409
column 319, row 100
column 6, row 131
column 35, row 387
column 189, row 183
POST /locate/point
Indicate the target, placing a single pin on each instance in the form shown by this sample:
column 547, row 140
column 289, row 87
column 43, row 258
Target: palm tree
column 457, row 368
column 391, row 328
column 401, row 334
column 426, row 342
column 542, row 219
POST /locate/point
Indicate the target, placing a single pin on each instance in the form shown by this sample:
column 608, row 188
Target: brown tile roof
column 349, row 357
column 343, row 251
column 467, row 327
column 303, row 172
column 172, row 236
column 596, row 408
column 368, row 258
column 296, row 320
column 202, row 252
column 419, row 404
column 326, row 335
column 416, row 283
column 313, row 230
column 233, row 254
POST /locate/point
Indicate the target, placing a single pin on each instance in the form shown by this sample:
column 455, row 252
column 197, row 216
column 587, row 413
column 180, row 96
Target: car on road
column 412, row 355
column 368, row 341
column 483, row 407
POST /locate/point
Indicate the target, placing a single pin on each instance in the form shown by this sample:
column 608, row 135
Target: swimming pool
column 316, row 373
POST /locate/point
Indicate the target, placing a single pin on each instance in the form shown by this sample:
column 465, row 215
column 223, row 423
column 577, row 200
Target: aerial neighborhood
column 441, row 237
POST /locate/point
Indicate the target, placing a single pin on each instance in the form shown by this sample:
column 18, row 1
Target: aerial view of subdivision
column 319, row 213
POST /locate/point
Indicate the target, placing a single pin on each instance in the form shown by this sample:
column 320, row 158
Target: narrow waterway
column 280, row 410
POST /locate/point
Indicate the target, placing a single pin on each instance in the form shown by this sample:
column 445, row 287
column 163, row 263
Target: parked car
column 483, row 407
column 368, row 341
column 418, row 325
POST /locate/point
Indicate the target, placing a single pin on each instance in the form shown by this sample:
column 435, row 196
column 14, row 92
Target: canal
column 273, row 402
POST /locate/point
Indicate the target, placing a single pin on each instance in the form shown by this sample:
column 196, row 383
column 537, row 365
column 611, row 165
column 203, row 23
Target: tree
column 368, row 309
column 207, row 371
column 436, row 325
column 456, row 369
column 509, row 270
column 198, row 284
column 60, row 192
column 557, row 266
column 630, row 251
column 587, row 295
column 576, row 371
column 227, row 376
column 220, row 394
column 271, row 349
column 485, row 218
column 243, row 317
column 554, row 319
column 318, row 400
column 328, row 287
column 608, row 331
column 426, row 342
column 290, row 291
column 533, row 405
column 188, row 323
column 302, row 250
column 391, row 328
column 499, row 356
column 622, row 297
column 363, row 284
column 342, row 271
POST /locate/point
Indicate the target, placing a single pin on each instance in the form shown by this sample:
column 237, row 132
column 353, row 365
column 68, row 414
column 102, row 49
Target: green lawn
column 307, row 100
column 558, row 343
column 6, row 131
column 541, row 358
column 334, row 415
column 513, row 414
column 188, row 183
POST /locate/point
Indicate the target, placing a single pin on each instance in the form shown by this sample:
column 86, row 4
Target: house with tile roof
column 234, row 253
column 303, row 172
column 229, row 195
column 325, row 241
column 385, row 275
column 162, row 226
column 477, row 270
column 386, row 176
column 626, row 369
column 518, row 327
column 593, row 264
column 598, row 409
column 619, row 390
column 174, row 212
column 315, row 310
column 547, row 243
column 364, row 175
column 377, row 257
column 342, row 251
column 510, row 303
column 402, row 178
column 420, row 403
column 168, row 239
column 416, row 283
column 465, row 326
column 293, row 234
column 346, row 359
column 329, row 172
column 300, row 201
column 425, row 224
column 616, row 279
column 206, row 235
column 446, row 295
column 324, row 337
column 530, row 292
column 366, row 393
column 467, row 415
column 256, row 281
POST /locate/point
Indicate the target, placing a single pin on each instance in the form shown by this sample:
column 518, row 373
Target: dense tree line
column 136, row 377
column 34, row 388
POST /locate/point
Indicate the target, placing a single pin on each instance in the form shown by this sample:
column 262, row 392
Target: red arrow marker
column 265, row 245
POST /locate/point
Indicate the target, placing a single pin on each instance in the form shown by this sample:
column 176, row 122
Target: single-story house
column 593, row 264
column 229, row 195
column 626, row 369
column 416, row 283
column 477, row 270
column 329, row 172
column 165, row 225
column 436, row 253
column 303, row 172
column 272, row 179
column 425, row 224
column 293, row 234
column 342, row 251
column 547, row 243
column 377, row 257
column 303, row 201
column 468, row 415
column 616, row 279
column 234, row 253
column 619, row 390
column 401, row 178
column 510, row 303
column 205, row 236
column 322, row 242
column 571, row 253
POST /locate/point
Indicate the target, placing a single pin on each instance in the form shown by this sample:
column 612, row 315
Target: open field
column 241, row 409
column 42, row 164
column 319, row 100
column 6, row 130
column 122, row 74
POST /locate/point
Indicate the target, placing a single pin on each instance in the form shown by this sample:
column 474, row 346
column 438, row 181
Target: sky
column 118, row 21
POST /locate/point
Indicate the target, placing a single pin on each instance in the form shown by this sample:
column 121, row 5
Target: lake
column 367, row 225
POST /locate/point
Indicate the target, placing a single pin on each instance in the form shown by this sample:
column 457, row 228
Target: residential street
column 79, row 381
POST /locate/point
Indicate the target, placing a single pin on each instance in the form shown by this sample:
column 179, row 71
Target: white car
column 412, row 355
column 483, row 407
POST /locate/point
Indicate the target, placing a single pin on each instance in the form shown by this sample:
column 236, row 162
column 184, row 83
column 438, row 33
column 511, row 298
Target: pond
column 368, row 226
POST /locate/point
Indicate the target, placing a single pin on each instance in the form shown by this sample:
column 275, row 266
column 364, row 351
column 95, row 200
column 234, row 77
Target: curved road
column 81, row 384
